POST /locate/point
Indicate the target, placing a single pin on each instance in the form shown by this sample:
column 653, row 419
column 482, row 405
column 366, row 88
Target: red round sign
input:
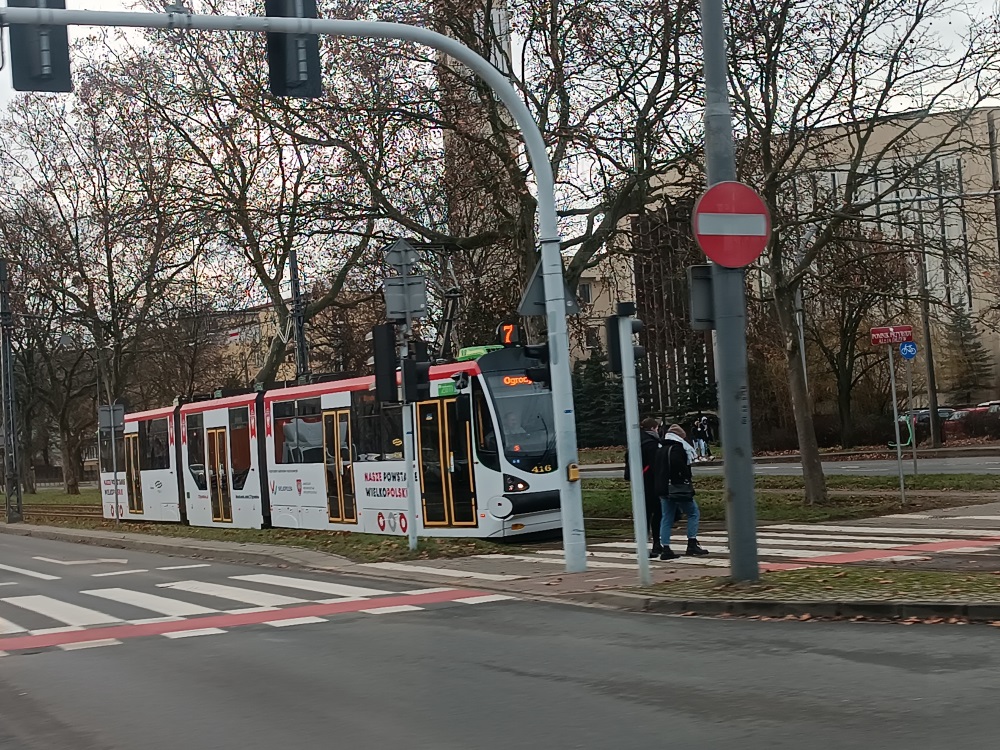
column 381, row 522
column 731, row 224
column 402, row 522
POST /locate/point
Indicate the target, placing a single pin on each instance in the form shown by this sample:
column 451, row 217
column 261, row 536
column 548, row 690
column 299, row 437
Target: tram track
column 62, row 510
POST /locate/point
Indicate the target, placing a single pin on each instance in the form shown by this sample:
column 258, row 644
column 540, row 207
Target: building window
column 592, row 337
column 583, row 292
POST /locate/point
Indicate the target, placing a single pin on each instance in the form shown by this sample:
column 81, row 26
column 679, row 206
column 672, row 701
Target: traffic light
column 39, row 55
column 417, row 373
column 384, row 361
column 293, row 59
column 540, row 373
column 509, row 334
column 615, row 344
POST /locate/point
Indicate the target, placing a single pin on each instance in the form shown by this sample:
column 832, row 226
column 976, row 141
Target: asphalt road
column 960, row 465
column 494, row 676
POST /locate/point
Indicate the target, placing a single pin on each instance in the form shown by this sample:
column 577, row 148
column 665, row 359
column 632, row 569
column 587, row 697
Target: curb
column 221, row 554
column 776, row 608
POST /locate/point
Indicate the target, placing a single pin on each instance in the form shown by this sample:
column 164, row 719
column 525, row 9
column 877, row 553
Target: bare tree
column 816, row 92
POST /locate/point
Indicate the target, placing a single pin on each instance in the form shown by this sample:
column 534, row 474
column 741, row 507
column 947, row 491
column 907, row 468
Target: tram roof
column 437, row 372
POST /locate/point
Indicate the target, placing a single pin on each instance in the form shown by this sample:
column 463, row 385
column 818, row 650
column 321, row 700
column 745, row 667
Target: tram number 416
column 544, row 469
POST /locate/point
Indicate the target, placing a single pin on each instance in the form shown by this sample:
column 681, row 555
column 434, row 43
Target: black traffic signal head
column 384, row 361
column 613, row 327
column 416, row 380
column 540, row 373
column 39, row 55
column 293, row 59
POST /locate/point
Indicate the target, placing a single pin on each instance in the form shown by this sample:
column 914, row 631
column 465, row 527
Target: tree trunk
column 70, row 447
column 844, row 411
column 812, row 467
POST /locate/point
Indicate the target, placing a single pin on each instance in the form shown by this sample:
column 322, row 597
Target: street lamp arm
column 574, row 542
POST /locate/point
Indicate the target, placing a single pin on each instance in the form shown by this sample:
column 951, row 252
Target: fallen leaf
column 806, row 616
column 688, row 614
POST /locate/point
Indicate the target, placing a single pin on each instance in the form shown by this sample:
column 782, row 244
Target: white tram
column 327, row 456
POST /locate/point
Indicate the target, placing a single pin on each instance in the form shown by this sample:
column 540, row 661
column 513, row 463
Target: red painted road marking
column 228, row 621
column 879, row 554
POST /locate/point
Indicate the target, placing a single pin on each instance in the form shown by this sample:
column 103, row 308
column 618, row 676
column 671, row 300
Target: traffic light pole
column 636, row 479
column 574, row 540
column 729, row 292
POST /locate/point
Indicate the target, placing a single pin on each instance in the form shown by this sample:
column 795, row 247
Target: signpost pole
column 895, row 421
column 913, row 417
column 729, row 287
column 114, row 463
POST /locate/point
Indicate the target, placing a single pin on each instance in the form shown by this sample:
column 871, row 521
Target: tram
column 327, row 455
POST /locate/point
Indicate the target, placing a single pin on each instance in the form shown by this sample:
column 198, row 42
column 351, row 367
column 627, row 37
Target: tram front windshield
column 524, row 411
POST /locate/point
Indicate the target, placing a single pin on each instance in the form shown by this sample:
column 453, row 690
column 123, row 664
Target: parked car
column 954, row 426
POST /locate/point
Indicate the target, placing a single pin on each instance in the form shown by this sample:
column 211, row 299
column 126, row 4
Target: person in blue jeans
column 673, row 485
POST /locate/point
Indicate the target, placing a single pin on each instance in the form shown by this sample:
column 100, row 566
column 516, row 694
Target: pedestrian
column 649, row 445
column 708, row 438
column 676, row 491
column 699, row 435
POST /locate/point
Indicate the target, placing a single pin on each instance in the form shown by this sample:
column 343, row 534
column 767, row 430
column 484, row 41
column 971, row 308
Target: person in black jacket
column 672, row 470
column 649, row 444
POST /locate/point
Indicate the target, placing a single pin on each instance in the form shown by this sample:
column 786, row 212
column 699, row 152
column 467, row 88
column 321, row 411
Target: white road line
column 194, row 633
column 90, row 644
column 253, row 610
column 392, row 610
column 295, row 621
column 3, row 654
column 8, row 583
column 236, row 594
column 7, row 627
column 418, row 592
column 322, row 587
column 914, row 516
column 966, row 518
column 969, row 550
column 54, row 631
column 529, row 558
column 185, row 567
column 117, row 573
column 70, row 614
column 80, row 562
column 764, row 551
column 445, row 572
column 160, row 604
column 29, row 573
column 154, row 620
column 807, row 542
column 912, row 531
column 704, row 561
column 485, row 599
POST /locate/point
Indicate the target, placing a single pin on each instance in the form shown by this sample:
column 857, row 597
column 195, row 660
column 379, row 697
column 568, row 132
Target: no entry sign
column 891, row 335
column 732, row 224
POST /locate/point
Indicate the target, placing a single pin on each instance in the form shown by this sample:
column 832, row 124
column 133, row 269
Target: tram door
column 218, row 476
column 133, row 479
column 337, row 444
column 446, row 469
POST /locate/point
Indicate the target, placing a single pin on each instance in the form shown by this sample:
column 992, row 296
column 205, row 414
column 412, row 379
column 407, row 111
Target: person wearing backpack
column 649, row 444
column 676, row 491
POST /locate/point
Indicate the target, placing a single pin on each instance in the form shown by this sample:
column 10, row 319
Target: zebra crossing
column 104, row 615
column 804, row 544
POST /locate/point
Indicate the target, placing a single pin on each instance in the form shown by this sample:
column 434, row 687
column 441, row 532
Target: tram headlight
column 513, row 484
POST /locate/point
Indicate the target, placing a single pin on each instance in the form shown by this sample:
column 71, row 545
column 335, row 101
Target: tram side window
column 486, row 437
column 239, row 440
column 107, row 464
column 298, row 432
column 195, row 427
column 378, row 431
column 154, row 452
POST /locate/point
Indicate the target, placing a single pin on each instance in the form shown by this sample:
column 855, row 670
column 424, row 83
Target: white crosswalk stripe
column 29, row 573
column 7, row 627
column 152, row 602
column 235, row 593
column 305, row 584
column 60, row 611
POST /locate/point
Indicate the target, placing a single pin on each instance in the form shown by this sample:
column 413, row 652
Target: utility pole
column 12, row 479
column 298, row 320
column 729, row 291
column 925, row 322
